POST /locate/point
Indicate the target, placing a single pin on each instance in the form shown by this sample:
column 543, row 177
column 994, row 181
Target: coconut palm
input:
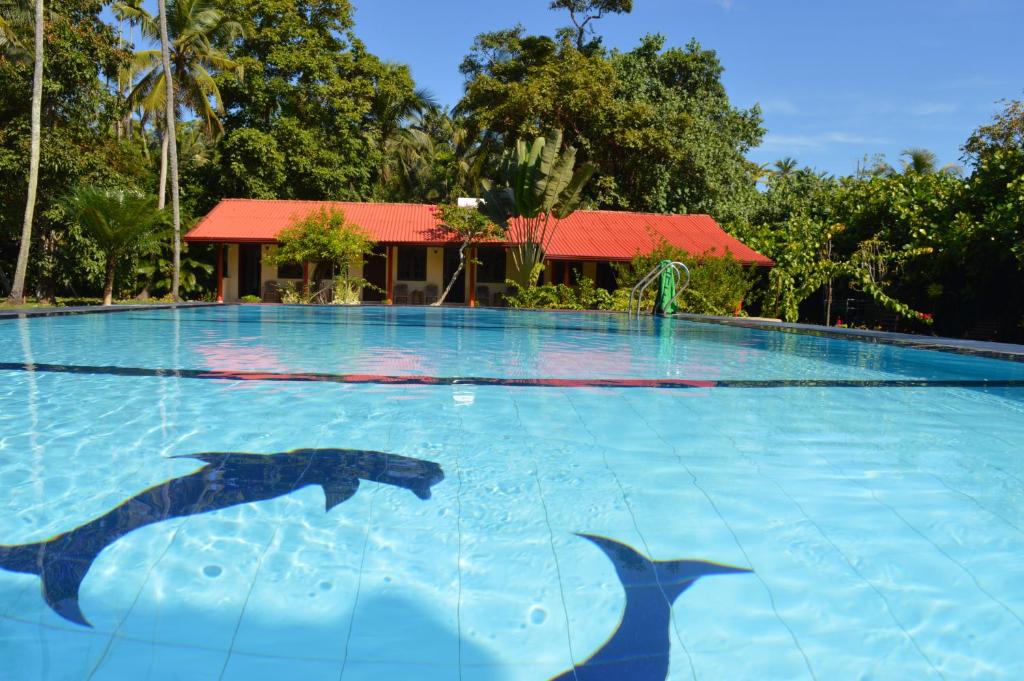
column 195, row 30
column 434, row 158
column 116, row 220
column 785, row 166
column 921, row 161
column 17, row 294
column 15, row 16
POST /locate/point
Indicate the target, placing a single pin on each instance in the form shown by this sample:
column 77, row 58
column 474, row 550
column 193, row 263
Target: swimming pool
column 408, row 493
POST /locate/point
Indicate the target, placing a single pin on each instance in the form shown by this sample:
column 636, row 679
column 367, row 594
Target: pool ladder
column 678, row 269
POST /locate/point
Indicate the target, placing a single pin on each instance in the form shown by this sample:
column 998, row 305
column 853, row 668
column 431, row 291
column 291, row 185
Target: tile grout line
column 636, row 526
column 913, row 528
column 554, row 553
column 846, row 559
column 739, row 545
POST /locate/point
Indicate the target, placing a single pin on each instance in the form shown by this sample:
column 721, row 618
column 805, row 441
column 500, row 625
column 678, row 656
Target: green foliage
column 541, row 185
column 322, row 105
column 116, row 220
column 719, row 284
column 326, row 237
column 657, row 122
column 251, row 299
column 586, row 296
column 195, row 28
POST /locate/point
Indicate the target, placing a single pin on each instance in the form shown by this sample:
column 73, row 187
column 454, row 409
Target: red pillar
column 472, row 277
column 389, row 297
column 220, row 273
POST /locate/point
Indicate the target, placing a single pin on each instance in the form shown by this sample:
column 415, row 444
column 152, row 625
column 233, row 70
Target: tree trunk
column 108, row 287
column 165, row 54
column 828, row 305
column 17, row 295
column 525, row 257
column 162, row 201
column 458, row 270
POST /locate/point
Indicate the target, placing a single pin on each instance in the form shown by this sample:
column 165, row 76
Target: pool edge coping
column 990, row 349
column 95, row 309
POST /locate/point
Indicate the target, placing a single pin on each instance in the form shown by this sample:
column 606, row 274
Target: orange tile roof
column 584, row 235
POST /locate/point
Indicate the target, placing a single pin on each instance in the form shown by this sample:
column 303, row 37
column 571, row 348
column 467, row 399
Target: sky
column 836, row 79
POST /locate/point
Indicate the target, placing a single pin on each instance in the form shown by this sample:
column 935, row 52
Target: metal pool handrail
column 678, row 269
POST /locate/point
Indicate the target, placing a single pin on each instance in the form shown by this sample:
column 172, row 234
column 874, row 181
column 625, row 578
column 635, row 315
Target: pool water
column 276, row 493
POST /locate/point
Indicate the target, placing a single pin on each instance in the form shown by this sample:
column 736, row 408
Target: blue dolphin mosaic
column 639, row 648
column 228, row 479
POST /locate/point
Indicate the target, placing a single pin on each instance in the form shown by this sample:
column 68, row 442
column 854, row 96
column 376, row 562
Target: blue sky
column 837, row 79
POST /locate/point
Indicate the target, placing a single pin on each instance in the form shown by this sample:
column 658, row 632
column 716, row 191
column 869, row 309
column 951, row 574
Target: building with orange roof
column 417, row 256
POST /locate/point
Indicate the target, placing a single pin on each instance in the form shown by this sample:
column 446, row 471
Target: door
column 451, row 263
column 249, row 270
column 375, row 271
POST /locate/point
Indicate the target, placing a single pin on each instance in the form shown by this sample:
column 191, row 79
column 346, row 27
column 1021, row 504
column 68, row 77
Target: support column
column 472, row 277
column 220, row 273
column 390, row 278
column 305, row 274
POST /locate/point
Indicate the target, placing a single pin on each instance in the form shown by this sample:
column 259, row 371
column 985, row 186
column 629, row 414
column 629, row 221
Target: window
column 491, row 269
column 565, row 271
column 289, row 271
column 412, row 263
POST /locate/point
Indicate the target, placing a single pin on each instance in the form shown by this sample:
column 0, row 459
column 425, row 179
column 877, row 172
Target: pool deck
column 1007, row 351
column 22, row 313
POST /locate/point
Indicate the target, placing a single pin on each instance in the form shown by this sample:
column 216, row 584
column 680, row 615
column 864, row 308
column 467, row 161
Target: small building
column 415, row 259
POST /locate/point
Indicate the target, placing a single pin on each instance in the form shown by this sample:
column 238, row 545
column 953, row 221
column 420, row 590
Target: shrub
column 251, row 299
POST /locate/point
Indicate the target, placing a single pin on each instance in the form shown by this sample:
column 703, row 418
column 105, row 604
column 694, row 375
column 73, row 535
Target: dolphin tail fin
column 61, row 577
column 673, row 576
column 61, row 581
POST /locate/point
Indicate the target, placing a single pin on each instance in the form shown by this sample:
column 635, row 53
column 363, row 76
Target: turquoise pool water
column 274, row 493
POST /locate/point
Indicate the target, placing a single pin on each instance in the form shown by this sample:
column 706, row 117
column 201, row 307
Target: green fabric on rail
column 665, row 303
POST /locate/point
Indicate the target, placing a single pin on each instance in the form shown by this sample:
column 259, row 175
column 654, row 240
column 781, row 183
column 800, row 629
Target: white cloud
column 932, row 108
column 818, row 141
column 779, row 105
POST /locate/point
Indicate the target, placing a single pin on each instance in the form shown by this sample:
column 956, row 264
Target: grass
column 77, row 302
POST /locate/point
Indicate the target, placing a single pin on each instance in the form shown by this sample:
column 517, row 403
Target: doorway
column 375, row 272
column 249, row 261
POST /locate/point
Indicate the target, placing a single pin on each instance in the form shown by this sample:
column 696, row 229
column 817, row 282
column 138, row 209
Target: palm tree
column 116, row 220
column 785, row 166
column 14, row 14
column 196, row 28
column 171, row 142
column 17, row 295
column 921, row 161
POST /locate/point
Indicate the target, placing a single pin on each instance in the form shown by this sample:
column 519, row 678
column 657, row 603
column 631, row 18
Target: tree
column 116, row 220
column 542, row 187
column 785, row 166
column 17, row 295
column 196, row 28
column 924, row 162
column 472, row 227
column 326, row 237
column 583, row 12
column 656, row 122
column 172, row 140
column 307, row 99
column 79, row 112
